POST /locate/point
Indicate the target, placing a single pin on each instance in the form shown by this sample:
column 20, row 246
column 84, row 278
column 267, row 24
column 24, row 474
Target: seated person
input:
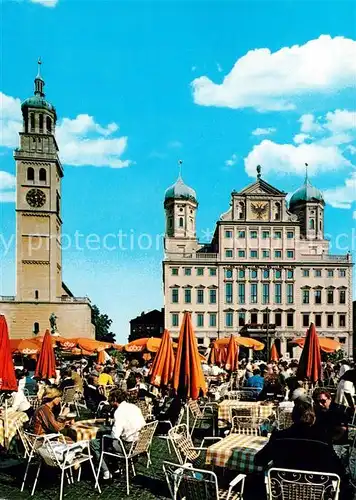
column 345, row 393
column 20, row 402
column 45, row 421
column 256, row 381
column 140, row 387
column 92, row 395
column 128, row 421
column 105, row 378
column 77, row 379
column 272, row 388
column 66, row 379
column 330, row 417
column 168, row 412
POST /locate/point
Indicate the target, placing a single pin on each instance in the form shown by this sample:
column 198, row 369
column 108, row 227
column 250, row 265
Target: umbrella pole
column 187, row 408
column 6, row 427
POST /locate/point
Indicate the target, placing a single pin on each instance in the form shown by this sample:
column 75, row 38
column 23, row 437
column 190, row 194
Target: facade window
column 241, row 294
column 229, row 319
column 305, row 320
column 290, row 254
column 200, row 341
column 290, row 294
column 200, row 296
column 36, row 294
column 305, row 273
column 181, row 222
column 200, row 271
column 254, row 318
column 317, row 273
column 187, row 296
column 187, row 271
column 278, row 319
column 200, row 319
column 265, row 235
column 242, row 234
column 212, row 296
column 342, row 296
column 278, row 274
column 277, row 214
column 253, row 274
column 30, row 174
column 228, row 253
column 32, row 122
column 277, row 235
column 241, row 274
column 265, row 319
column 36, row 327
column 212, row 271
column 342, row 273
column 278, row 293
column 253, row 293
column 41, row 122
column 265, row 254
column 241, row 253
column 290, row 319
column 228, row 293
column 265, row 293
column 175, row 295
column 175, row 319
column 212, row 319
column 330, row 273
column 330, row 296
column 43, row 175
column 330, row 320
column 305, row 296
column 277, row 254
column 290, row 235
column 253, row 235
column 174, row 271
column 228, row 234
column 242, row 318
column 317, row 296
column 254, row 254
column 342, row 320
column 49, row 124
column 228, row 273
column 266, row 274
column 290, row 274
column 318, row 320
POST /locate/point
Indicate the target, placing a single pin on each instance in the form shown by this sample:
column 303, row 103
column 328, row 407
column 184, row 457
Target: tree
column 102, row 324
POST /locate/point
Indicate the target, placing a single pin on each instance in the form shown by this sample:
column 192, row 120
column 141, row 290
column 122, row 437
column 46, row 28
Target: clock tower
column 38, row 202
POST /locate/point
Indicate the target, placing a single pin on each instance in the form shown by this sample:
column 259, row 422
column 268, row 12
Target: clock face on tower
column 36, row 198
column 259, row 210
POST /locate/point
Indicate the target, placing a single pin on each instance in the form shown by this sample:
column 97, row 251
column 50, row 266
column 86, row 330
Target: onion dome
column 180, row 191
column 307, row 192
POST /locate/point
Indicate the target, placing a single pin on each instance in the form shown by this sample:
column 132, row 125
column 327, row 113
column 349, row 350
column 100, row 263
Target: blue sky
column 139, row 85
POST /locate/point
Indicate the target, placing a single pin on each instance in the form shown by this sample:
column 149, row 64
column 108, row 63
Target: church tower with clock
column 38, row 201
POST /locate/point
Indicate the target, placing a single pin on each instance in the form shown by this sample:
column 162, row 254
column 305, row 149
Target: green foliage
column 102, row 324
column 335, row 357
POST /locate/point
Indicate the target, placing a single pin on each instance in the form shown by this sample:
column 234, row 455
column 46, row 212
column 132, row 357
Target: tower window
column 170, row 222
column 30, row 174
column 41, row 122
column 43, row 174
column 311, row 224
column 49, row 124
column 32, row 121
column 36, row 327
column 277, row 215
column 181, row 222
column 36, row 294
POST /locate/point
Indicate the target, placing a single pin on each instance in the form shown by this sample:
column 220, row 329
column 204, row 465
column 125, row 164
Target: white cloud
column 231, row 161
column 342, row 196
column 275, row 81
column 263, row 131
column 300, row 138
column 46, row 3
column 341, row 120
column 175, row 144
column 82, row 141
column 308, row 124
column 7, row 187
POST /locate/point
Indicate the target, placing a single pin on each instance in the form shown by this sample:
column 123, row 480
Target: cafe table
column 236, row 451
column 86, row 430
column 9, row 421
column 261, row 409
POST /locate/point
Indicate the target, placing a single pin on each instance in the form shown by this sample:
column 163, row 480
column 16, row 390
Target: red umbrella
column 8, row 380
column 310, row 361
column 163, row 364
column 46, row 363
column 274, row 353
column 232, row 356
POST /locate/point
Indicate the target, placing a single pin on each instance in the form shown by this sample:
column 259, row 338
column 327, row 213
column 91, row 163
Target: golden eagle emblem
column 259, row 209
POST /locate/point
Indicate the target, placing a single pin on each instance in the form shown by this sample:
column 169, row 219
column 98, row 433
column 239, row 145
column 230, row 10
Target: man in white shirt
column 344, row 367
column 20, row 402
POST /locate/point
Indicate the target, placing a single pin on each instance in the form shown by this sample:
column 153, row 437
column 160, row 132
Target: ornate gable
column 261, row 188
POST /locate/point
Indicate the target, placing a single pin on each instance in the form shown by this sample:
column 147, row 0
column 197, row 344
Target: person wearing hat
column 20, row 402
column 45, row 421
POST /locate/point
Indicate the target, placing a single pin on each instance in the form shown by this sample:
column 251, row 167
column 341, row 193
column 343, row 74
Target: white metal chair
column 201, row 414
column 290, row 484
column 183, row 445
column 165, row 437
column 186, row 482
column 139, row 447
column 247, row 426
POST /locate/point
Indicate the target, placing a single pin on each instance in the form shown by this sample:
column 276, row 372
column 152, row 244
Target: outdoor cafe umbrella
column 8, row 380
column 25, row 346
column 326, row 345
column 310, row 361
column 254, row 344
column 274, row 353
column 101, row 357
column 163, row 364
column 188, row 377
column 232, row 356
column 46, row 363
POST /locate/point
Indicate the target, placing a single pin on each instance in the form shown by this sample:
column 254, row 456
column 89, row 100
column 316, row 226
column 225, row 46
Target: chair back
column 186, row 482
column 193, row 406
column 247, row 426
column 182, row 443
column 145, row 408
column 144, row 440
column 284, row 418
column 291, row 484
column 68, row 396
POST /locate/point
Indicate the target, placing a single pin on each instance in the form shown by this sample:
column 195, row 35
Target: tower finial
column 39, row 82
column 306, row 173
column 258, row 168
column 39, row 62
column 180, row 162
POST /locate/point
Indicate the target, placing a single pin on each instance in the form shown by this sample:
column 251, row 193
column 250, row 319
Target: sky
column 139, row 85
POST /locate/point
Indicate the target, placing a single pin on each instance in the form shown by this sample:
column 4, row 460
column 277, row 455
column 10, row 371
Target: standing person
column 345, row 392
column 345, row 366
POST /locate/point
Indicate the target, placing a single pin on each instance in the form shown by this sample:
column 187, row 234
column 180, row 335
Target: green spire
column 39, row 82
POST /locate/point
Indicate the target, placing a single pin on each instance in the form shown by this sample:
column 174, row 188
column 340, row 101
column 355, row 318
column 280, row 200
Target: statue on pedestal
column 53, row 323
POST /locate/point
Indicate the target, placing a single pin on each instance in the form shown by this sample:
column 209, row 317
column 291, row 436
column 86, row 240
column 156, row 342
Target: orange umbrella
column 274, row 353
column 101, row 357
column 214, row 355
column 92, row 345
column 188, row 377
column 256, row 345
column 151, row 344
column 326, row 345
column 46, row 363
column 8, row 380
column 163, row 364
column 310, row 361
column 232, row 357
column 25, row 346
